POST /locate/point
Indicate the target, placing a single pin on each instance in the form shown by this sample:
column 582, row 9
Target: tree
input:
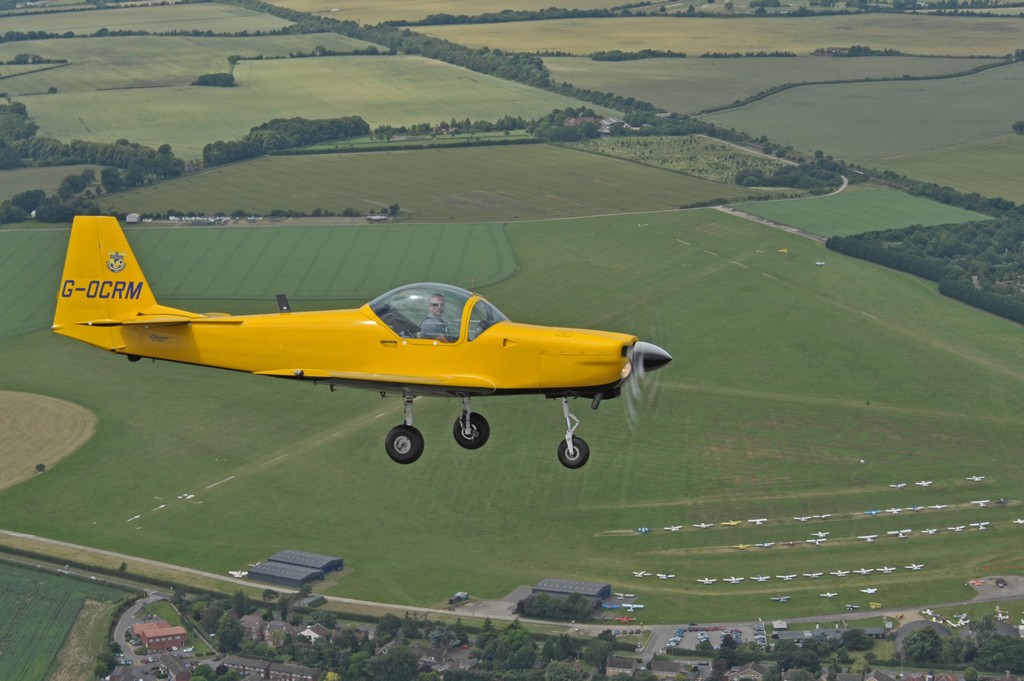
column 856, row 639
column 923, row 646
column 1018, row 127
column 970, row 674
column 229, row 634
column 40, row 467
column 398, row 664
column 560, row 671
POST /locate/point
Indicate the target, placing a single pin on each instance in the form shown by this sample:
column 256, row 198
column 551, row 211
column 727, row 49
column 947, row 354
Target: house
column 620, row 665
column 254, row 627
column 160, row 635
column 667, row 670
column 878, row 676
column 751, row 670
column 279, row 671
column 430, row 657
column 174, row 668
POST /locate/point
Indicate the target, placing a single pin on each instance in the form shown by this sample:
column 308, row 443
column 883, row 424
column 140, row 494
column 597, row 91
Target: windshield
column 433, row 311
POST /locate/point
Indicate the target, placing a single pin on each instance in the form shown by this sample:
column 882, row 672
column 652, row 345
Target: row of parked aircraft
column 885, row 570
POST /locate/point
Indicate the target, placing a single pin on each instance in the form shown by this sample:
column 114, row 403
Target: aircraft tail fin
column 102, row 286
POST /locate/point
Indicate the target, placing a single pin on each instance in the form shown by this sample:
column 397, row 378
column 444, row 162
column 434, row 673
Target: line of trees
column 283, row 133
column 979, row 263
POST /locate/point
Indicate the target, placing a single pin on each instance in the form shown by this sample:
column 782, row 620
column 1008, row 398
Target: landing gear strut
column 573, row 451
column 404, row 443
column 471, row 430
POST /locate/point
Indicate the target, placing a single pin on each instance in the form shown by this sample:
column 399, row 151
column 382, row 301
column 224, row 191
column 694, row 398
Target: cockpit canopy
column 464, row 315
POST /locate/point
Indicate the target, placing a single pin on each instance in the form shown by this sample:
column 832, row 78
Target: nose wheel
column 573, row 451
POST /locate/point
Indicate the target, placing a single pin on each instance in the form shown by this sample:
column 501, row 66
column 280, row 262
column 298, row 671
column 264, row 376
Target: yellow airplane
column 420, row 339
column 730, row 523
column 742, row 547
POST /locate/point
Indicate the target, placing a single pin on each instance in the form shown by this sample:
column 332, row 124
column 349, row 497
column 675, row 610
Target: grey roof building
column 568, row 586
column 308, row 560
column 284, row 574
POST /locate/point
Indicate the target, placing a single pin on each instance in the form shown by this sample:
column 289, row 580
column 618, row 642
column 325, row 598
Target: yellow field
column 38, row 429
column 910, row 34
column 368, row 12
column 184, row 17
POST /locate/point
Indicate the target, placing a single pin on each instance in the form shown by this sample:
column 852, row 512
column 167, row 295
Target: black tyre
column 575, row 457
column 481, row 430
column 404, row 444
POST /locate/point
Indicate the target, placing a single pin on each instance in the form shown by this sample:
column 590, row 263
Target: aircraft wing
column 452, row 384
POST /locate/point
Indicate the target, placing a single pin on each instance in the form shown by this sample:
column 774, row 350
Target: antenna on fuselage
column 282, row 303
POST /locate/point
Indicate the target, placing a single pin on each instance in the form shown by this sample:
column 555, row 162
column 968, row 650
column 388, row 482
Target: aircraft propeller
column 644, row 357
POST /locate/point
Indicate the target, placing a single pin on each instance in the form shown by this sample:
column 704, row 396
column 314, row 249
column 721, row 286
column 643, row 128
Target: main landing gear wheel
column 404, row 444
column 576, row 456
column 475, row 435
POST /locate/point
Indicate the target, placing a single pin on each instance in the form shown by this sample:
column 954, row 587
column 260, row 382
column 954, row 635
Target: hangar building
column 284, row 574
column 308, row 560
column 564, row 587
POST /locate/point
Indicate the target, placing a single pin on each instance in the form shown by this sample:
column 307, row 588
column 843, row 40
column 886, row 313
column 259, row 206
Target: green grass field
column 470, row 184
column 858, row 122
column 985, row 166
column 859, row 211
column 37, row 610
column 785, row 376
column 691, row 85
column 47, row 178
column 909, row 33
column 393, row 90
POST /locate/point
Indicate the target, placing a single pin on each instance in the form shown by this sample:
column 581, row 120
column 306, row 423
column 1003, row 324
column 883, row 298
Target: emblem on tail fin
column 116, row 263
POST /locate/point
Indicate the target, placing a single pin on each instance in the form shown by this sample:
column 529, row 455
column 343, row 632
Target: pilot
column 434, row 326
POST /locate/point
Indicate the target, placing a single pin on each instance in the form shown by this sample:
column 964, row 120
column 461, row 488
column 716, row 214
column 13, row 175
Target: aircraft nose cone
column 650, row 356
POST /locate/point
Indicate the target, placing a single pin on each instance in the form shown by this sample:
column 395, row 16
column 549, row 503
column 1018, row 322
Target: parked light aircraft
column 813, row 575
column 779, row 599
column 760, row 578
column 742, row 547
column 104, row 300
column 885, row 569
column 731, row 523
column 786, row 578
column 765, row 545
column 707, row 580
column 758, row 521
column 864, row 571
column 914, row 566
column 662, row 575
column 923, row 483
column 1019, row 521
column 704, row 526
column 939, row 507
column 872, row 512
column 956, row 528
column 624, row 619
column 829, row 594
column 673, row 528
column 610, row 606
column 641, row 573
column 930, row 530
column 981, row 526
column 816, row 542
column 632, row 606
column 893, row 510
column 868, row 537
column 898, row 485
column 874, row 606
column 840, row 573
column 975, row 478
column 869, row 590
column 851, row 606
column 802, row 518
column 928, row 612
column 733, row 580
column 820, row 535
column 982, row 502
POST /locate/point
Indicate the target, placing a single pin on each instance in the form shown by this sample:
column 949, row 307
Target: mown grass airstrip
column 786, row 375
column 859, row 211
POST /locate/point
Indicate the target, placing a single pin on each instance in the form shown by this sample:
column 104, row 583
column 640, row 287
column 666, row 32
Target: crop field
column 859, row 211
column 910, row 34
column 213, row 17
column 392, row 90
column 871, row 122
column 786, row 376
column 691, row 85
column 987, row 166
column 469, row 184
column 126, row 62
column 36, row 612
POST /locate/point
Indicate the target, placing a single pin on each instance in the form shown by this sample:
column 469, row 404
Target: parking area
column 688, row 637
